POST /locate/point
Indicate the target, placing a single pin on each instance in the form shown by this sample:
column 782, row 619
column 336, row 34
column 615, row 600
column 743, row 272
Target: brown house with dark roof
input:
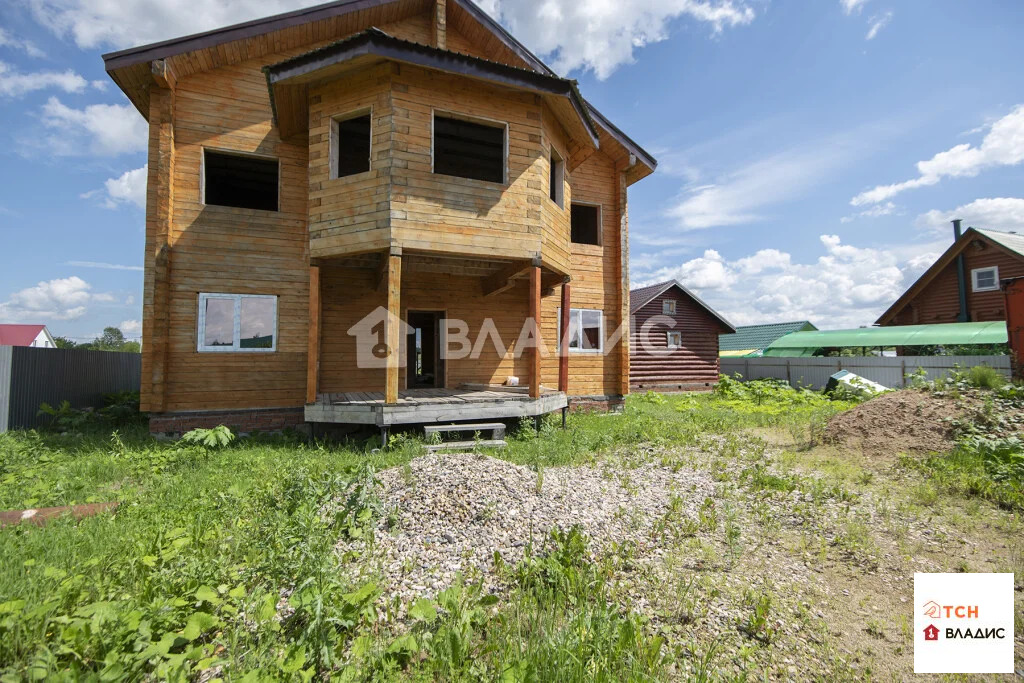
column 963, row 284
column 674, row 339
column 354, row 177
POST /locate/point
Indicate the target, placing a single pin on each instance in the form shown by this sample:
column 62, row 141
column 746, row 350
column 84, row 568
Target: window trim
column 600, row 224
column 556, row 158
column 974, row 279
column 236, row 153
column 669, row 303
column 580, row 311
column 332, row 150
column 237, row 323
column 668, row 339
column 483, row 121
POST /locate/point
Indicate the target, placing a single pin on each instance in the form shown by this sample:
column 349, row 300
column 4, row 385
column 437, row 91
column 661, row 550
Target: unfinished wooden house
column 348, row 204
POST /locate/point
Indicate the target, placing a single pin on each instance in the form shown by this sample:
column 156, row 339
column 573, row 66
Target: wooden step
column 497, row 429
column 465, row 445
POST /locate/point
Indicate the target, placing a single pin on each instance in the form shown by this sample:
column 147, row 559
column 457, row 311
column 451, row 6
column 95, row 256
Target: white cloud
column 846, row 286
column 130, row 327
column 876, row 211
column 997, row 213
column 1003, row 145
column 61, row 299
column 851, row 6
column 15, row 84
column 26, row 46
column 877, row 23
column 128, row 188
column 99, row 129
column 105, row 266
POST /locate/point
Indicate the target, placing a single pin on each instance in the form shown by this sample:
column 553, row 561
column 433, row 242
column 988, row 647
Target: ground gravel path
column 450, row 513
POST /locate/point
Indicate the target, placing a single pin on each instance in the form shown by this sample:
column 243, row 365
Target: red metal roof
column 19, row 335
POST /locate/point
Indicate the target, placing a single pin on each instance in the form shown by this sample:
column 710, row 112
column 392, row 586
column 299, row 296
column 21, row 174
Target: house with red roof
column 26, row 335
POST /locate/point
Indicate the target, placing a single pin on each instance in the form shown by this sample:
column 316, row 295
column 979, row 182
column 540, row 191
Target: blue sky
column 811, row 153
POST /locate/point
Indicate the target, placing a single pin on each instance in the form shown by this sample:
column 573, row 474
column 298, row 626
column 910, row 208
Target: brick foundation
column 597, row 404
column 239, row 421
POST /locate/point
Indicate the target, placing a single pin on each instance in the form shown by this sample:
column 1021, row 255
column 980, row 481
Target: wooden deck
column 427, row 406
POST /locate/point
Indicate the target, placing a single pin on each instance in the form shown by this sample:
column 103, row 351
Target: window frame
column 974, row 279
column 479, row 120
column 579, row 312
column 668, row 339
column 236, row 323
column 667, row 304
column 335, row 140
column 600, row 224
column 556, row 163
column 236, row 153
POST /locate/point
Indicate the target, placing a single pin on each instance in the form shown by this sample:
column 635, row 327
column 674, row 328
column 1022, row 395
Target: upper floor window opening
column 350, row 144
column 469, row 148
column 240, row 180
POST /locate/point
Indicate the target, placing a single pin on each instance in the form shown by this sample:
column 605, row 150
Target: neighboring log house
column 674, row 342
column 963, row 285
column 404, row 159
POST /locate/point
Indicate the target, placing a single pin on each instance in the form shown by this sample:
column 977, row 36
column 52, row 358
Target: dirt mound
column 897, row 422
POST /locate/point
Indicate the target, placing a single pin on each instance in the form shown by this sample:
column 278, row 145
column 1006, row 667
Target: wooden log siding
column 939, row 301
column 693, row 365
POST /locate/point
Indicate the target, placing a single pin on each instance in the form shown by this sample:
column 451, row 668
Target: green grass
column 221, row 556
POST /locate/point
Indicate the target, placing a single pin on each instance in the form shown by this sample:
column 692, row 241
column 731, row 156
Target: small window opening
column 240, row 181
column 586, row 224
column 469, row 150
column 352, row 146
column 668, row 307
column 557, row 179
column 675, row 339
column 985, row 279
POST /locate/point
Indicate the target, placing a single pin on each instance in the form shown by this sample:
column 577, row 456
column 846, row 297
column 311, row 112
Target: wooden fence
column 30, row 376
column 887, row 371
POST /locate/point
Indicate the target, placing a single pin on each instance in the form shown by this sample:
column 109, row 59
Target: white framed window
column 351, row 143
column 469, row 147
column 674, row 339
column 556, row 180
column 668, row 307
column 586, row 330
column 985, row 279
column 244, row 323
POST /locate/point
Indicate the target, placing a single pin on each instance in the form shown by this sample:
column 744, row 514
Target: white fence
column 890, row 372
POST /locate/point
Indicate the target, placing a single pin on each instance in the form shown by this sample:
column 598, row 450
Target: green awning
column 949, row 334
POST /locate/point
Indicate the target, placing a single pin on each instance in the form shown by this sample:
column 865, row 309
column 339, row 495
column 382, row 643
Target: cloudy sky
column 811, row 153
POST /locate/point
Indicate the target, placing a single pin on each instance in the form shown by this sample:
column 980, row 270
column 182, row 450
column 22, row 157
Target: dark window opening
column 557, row 179
column 585, row 224
column 353, row 146
column 243, row 182
column 469, row 150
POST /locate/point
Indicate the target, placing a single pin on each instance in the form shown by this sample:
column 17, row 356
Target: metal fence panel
column 81, row 377
column 5, row 386
column 887, row 371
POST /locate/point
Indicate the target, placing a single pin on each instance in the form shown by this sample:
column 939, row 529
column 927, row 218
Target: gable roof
column 640, row 297
column 760, row 337
column 1009, row 242
column 131, row 68
column 19, row 335
column 375, row 43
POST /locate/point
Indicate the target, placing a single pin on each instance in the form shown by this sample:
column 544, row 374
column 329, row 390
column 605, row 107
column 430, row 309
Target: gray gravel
column 450, row 513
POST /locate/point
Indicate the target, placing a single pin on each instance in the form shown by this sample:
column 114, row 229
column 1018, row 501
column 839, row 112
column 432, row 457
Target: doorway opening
column 424, row 367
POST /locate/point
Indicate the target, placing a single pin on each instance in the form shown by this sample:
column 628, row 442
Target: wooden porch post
column 313, row 358
column 563, row 346
column 392, row 326
column 535, row 316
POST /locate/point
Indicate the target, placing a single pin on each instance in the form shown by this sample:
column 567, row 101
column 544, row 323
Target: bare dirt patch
column 898, row 422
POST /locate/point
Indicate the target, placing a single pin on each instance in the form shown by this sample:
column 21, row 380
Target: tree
column 112, row 339
column 64, row 343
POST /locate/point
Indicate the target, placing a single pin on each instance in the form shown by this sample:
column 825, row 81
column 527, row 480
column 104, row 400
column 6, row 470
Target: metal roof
column 757, row 337
column 1010, row 240
column 804, row 343
column 19, row 335
column 640, row 297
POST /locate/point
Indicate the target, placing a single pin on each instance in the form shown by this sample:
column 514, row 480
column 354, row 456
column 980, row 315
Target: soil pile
column 898, row 422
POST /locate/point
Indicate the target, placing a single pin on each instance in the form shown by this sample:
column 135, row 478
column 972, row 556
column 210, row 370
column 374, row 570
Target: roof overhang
column 287, row 81
column 633, row 308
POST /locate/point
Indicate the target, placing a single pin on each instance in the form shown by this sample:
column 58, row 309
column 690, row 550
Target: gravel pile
column 450, row 513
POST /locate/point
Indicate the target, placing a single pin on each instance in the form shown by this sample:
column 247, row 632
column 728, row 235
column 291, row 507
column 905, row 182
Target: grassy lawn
column 221, row 561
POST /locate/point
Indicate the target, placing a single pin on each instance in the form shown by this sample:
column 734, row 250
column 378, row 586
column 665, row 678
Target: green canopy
column 948, row 334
